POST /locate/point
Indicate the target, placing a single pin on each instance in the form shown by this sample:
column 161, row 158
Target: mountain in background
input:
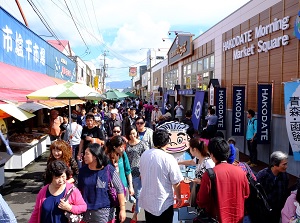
column 118, row 84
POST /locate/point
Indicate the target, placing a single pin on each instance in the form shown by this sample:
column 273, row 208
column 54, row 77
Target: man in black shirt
column 129, row 120
column 90, row 134
column 188, row 120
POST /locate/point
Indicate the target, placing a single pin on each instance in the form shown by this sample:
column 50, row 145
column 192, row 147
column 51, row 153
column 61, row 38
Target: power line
column 77, row 27
column 35, row 9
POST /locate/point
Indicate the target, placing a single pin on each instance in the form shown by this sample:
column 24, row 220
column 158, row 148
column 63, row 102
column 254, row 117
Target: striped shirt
column 159, row 172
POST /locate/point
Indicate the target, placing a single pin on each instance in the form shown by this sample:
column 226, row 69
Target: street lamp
column 177, row 32
column 164, row 39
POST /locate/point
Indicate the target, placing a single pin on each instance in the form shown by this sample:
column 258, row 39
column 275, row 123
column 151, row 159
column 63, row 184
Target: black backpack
column 256, row 205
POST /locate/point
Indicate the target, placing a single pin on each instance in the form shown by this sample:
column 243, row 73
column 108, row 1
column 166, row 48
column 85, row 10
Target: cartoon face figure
column 179, row 139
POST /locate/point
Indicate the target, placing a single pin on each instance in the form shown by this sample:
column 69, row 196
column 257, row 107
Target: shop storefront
column 253, row 49
column 27, row 63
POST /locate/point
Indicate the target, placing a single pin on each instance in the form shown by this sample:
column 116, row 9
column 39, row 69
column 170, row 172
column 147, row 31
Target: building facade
column 257, row 44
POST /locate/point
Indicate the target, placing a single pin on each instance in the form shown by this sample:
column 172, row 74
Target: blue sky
column 120, row 28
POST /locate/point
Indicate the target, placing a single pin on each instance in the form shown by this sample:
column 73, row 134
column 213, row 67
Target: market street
column 21, row 187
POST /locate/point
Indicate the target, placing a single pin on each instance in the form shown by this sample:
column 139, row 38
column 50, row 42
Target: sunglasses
column 116, row 131
column 140, row 123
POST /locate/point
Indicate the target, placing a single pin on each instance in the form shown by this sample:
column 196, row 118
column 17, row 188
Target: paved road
column 21, row 187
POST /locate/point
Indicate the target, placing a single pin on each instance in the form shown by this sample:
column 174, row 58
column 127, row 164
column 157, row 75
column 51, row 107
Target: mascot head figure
column 179, row 139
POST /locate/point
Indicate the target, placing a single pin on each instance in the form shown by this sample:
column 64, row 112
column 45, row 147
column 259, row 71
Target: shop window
column 189, row 69
column 211, row 74
column 193, row 81
column 199, row 81
column 188, row 82
column 184, row 70
column 200, row 65
column 212, row 61
column 194, row 67
column 205, row 63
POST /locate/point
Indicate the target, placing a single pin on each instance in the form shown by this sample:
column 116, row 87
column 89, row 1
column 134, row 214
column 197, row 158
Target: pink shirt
column 78, row 204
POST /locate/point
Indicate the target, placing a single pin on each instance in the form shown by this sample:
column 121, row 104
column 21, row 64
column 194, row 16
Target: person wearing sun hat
column 111, row 122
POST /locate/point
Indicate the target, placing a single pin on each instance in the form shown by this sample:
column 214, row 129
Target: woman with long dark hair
column 134, row 149
column 93, row 180
column 115, row 149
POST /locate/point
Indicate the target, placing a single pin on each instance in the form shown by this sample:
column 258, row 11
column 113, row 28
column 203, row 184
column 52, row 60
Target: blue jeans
column 137, row 187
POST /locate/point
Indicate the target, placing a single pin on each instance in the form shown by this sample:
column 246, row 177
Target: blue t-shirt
column 251, row 128
column 93, row 186
column 50, row 211
column 141, row 135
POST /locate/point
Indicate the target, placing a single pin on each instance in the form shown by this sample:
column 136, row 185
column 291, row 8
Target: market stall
column 26, row 147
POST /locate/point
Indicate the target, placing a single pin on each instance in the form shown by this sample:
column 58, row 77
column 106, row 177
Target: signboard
column 221, row 108
column 238, row 109
column 132, row 71
column 264, row 113
column 23, row 48
column 292, row 117
column 181, row 48
column 197, row 109
column 185, row 92
column 262, row 45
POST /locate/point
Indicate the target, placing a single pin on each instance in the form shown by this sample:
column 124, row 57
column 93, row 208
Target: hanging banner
column 221, row 108
column 264, row 113
column 165, row 99
column 238, row 109
column 292, row 118
column 197, row 109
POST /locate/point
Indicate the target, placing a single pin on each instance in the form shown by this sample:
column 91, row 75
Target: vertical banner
column 221, row 108
column 292, row 115
column 264, row 113
column 238, row 109
column 165, row 99
column 197, row 109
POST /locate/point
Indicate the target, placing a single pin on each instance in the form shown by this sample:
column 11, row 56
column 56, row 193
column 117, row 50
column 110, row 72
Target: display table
column 24, row 154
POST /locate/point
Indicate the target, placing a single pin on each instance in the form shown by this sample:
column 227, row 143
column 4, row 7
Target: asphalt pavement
column 22, row 186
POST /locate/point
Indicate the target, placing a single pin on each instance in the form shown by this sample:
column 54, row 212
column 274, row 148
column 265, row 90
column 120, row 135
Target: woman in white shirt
column 202, row 159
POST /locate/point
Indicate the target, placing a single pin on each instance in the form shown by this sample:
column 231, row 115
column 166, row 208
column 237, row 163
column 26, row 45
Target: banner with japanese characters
column 221, row 108
column 21, row 47
column 264, row 113
column 238, row 109
column 292, row 115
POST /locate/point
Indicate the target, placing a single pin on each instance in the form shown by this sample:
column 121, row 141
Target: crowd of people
column 120, row 148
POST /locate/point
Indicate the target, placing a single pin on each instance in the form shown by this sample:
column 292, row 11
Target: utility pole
column 104, row 70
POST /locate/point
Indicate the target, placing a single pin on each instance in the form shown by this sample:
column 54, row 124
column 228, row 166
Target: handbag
column 185, row 195
column 193, row 197
column 74, row 218
column 203, row 217
column 112, row 192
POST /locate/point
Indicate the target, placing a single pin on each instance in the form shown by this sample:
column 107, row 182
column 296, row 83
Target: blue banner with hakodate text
column 238, row 109
column 264, row 113
column 197, row 109
column 221, row 108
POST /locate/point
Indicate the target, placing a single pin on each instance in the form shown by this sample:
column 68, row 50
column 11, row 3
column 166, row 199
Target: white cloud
column 126, row 26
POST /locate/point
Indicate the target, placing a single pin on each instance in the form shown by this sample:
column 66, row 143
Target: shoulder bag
column 112, row 192
column 74, row 218
column 203, row 217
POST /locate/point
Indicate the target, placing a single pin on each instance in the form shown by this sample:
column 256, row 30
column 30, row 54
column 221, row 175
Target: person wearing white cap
column 111, row 122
